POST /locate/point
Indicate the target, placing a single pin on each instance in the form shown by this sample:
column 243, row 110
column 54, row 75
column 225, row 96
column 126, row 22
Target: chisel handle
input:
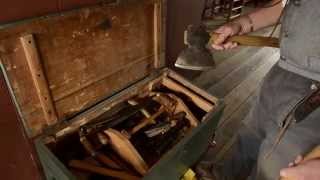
column 246, row 40
column 314, row 154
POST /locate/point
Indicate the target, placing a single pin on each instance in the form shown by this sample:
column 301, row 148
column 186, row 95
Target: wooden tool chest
column 96, row 99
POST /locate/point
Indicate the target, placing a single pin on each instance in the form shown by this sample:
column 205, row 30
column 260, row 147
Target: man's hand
column 309, row 170
column 253, row 21
column 225, row 32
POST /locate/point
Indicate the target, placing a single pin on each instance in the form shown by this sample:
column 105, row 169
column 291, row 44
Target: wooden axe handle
column 250, row 40
column 314, row 154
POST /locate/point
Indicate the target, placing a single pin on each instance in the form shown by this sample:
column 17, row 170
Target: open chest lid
column 61, row 65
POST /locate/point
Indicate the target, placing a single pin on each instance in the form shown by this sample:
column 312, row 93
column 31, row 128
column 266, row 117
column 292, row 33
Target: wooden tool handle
column 146, row 121
column 99, row 156
column 126, row 150
column 107, row 161
column 250, row 40
column 314, row 154
column 81, row 165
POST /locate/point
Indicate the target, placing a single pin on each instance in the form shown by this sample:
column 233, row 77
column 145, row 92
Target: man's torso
column 300, row 38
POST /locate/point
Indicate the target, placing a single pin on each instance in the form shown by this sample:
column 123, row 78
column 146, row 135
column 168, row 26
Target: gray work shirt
column 300, row 38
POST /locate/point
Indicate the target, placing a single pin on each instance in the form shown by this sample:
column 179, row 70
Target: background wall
column 13, row 10
column 181, row 13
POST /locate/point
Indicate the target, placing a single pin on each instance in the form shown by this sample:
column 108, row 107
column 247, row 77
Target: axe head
column 193, row 58
column 196, row 56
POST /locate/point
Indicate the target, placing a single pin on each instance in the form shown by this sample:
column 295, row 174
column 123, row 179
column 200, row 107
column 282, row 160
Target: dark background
column 13, row 10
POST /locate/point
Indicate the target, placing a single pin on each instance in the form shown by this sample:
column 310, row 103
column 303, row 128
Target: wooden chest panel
column 86, row 55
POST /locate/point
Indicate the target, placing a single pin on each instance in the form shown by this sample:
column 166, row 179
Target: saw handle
column 314, row 154
column 246, row 40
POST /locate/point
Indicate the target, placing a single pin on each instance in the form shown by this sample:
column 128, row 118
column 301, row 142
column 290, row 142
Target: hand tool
column 103, row 139
column 168, row 103
column 142, row 110
column 171, row 137
column 160, row 128
column 164, row 127
column 147, row 121
column 182, row 107
column 198, row 57
column 314, row 154
column 198, row 100
column 115, row 119
column 82, row 165
column 97, row 155
column 126, row 150
column 176, row 105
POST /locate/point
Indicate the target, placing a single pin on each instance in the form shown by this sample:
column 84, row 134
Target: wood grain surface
column 86, row 54
column 39, row 79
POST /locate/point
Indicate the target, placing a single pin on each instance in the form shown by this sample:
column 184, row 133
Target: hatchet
column 198, row 57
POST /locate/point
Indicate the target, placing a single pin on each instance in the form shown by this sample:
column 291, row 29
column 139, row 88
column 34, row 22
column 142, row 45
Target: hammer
column 198, row 57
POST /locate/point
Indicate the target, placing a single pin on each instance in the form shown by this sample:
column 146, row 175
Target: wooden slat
column 235, row 98
column 231, row 80
column 221, row 154
column 157, row 33
column 39, row 79
column 239, row 115
column 113, row 83
column 91, row 82
column 200, row 102
column 224, row 134
column 208, row 78
column 196, row 89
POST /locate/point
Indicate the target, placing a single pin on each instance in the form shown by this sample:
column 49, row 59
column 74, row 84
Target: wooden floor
column 236, row 79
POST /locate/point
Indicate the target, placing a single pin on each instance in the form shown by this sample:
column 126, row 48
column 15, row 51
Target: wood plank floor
column 236, row 80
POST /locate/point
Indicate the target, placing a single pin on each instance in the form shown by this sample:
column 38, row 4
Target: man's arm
column 265, row 17
column 253, row 21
